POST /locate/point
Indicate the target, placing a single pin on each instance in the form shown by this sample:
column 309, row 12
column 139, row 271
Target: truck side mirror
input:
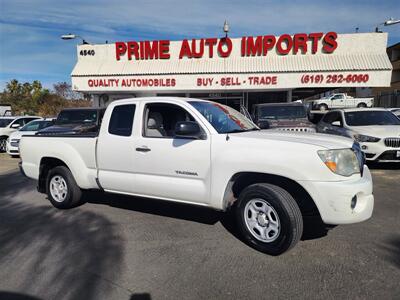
column 15, row 125
column 188, row 130
column 336, row 123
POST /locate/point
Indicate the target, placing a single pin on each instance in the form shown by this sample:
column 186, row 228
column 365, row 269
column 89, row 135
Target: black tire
column 323, row 107
column 73, row 194
column 362, row 105
column 290, row 218
column 3, row 142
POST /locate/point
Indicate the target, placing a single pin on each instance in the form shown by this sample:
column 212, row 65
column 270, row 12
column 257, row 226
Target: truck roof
column 83, row 108
column 281, row 104
column 160, row 98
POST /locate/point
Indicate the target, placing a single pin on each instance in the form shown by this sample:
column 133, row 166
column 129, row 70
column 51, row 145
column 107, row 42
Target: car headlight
column 366, row 138
column 340, row 161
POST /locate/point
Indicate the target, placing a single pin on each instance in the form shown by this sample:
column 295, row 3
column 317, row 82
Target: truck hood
column 316, row 139
column 380, row 131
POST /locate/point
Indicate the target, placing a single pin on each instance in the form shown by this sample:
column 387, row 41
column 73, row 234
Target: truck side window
column 121, row 121
column 160, row 119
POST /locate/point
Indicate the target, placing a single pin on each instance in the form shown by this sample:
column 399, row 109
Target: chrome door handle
column 143, row 149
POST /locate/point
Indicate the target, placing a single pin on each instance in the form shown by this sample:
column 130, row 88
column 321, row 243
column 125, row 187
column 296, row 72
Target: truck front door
column 170, row 167
column 338, row 101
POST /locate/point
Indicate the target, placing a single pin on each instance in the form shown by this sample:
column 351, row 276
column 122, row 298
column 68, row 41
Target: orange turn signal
column 331, row 165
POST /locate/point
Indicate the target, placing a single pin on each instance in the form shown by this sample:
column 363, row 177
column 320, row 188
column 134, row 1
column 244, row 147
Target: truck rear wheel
column 269, row 218
column 323, row 107
column 62, row 190
column 362, row 105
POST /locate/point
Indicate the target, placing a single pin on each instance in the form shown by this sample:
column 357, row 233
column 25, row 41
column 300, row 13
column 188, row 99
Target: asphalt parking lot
column 116, row 247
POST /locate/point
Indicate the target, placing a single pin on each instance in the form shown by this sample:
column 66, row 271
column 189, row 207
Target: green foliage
column 33, row 99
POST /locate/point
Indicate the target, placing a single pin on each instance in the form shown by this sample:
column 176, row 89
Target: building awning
column 358, row 60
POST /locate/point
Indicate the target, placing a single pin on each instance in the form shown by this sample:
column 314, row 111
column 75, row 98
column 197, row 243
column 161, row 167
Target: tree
column 32, row 98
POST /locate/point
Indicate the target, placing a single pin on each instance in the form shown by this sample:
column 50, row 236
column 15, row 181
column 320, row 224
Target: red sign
column 250, row 46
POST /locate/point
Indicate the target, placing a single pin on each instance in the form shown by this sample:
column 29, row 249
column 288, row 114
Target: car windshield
column 77, row 116
column 281, row 112
column 223, row 118
column 373, row 117
column 36, row 125
column 5, row 122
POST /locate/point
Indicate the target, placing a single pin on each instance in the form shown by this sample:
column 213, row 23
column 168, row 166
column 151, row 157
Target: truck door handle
column 143, row 149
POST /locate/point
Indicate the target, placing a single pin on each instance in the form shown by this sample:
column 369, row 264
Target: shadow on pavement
column 59, row 254
column 16, row 296
column 313, row 226
column 143, row 296
column 383, row 166
column 392, row 249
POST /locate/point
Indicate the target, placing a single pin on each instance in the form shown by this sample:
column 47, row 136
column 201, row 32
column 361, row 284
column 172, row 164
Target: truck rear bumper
column 343, row 202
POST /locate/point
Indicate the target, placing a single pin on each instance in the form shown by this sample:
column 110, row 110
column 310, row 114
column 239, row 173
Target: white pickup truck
column 204, row 153
column 341, row 100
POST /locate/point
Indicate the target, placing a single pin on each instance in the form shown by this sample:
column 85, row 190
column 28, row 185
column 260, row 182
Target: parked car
column 376, row 129
column 200, row 152
column 282, row 116
column 5, row 110
column 76, row 121
column 31, row 128
column 396, row 111
column 341, row 100
column 10, row 124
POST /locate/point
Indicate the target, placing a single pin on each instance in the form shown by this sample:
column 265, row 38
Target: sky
column 30, row 30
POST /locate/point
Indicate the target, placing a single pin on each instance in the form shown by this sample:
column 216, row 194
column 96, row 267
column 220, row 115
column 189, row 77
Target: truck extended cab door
column 170, row 167
column 116, row 149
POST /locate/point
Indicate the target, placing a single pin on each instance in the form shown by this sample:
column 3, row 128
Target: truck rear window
column 121, row 121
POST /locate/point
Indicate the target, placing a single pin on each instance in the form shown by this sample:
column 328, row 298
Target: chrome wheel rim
column 262, row 220
column 3, row 145
column 58, row 188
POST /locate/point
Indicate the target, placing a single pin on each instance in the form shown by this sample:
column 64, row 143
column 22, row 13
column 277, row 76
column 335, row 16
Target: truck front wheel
column 323, row 107
column 269, row 218
column 62, row 190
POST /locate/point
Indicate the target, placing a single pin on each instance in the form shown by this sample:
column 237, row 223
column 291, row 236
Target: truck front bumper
column 343, row 202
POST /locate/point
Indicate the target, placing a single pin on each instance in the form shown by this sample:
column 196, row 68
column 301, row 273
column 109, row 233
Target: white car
column 10, row 124
column 201, row 152
column 31, row 128
column 376, row 129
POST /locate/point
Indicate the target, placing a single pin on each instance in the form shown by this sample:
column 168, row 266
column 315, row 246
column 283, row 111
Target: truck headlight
column 340, row 161
column 366, row 138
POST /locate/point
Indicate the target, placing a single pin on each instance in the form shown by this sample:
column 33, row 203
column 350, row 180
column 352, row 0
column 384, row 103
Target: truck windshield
column 5, row 122
column 281, row 112
column 223, row 118
column 77, row 117
column 374, row 117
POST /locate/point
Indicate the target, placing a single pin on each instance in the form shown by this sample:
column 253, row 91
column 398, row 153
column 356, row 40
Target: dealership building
column 234, row 71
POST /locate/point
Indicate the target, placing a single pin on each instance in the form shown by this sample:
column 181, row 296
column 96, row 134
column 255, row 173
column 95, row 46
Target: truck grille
column 392, row 142
column 298, row 129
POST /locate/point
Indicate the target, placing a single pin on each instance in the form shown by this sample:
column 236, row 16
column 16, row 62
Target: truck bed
column 77, row 151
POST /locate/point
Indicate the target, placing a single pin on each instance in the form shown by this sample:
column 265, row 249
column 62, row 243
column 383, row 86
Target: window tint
column 332, row 117
column 371, row 117
column 121, row 121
